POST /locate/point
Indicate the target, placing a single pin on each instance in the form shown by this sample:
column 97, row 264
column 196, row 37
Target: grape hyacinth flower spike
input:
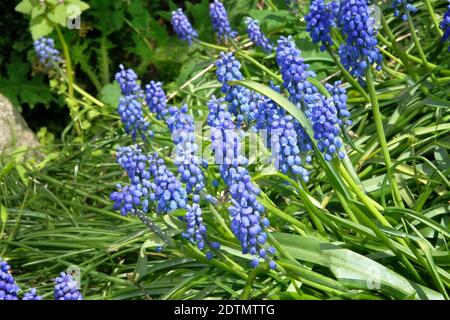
column 151, row 180
column 66, row 288
column 248, row 222
column 183, row 27
column 220, row 22
column 128, row 81
column 445, row 26
column 242, row 101
column 156, row 99
column 31, row 295
column 130, row 105
column 46, row 52
column 319, row 22
column 257, row 36
column 8, row 286
column 360, row 50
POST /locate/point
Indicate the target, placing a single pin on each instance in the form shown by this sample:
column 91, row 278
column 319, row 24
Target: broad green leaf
column 82, row 6
column 110, row 94
column 40, row 27
column 352, row 269
column 25, row 6
column 58, row 15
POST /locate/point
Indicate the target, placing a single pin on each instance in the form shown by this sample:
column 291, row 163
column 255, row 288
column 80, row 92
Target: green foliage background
column 55, row 211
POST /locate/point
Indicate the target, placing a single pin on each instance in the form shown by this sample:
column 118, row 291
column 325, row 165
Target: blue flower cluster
column 283, row 139
column 401, row 7
column 183, row 27
column 295, row 72
column 156, row 99
column 340, row 102
column 325, row 123
column 247, row 220
column 220, row 22
column 31, row 295
column 128, row 82
column 319, row 22
column 8, row 286
column 132, row 116
column 151, row 180
column 360, row 49
column 445, row 26
column 46, row 52
column 257, row 36
column 130, row 105
column 66, row 288
column 242, row 101
column 181, row 125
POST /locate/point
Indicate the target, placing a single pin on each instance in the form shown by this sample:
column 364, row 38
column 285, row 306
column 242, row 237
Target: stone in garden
column 14, row 131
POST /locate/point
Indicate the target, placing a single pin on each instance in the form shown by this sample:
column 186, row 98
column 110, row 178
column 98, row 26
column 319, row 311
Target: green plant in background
column 361, row 217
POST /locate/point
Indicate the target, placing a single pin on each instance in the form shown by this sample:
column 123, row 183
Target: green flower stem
column 274, row 210
column 394, row 45
column 88, row 96
column 212, row 46
column 260, row 66
column 310, row 208
column 70, row 79
column 249, row 283
column 381, row 136
column 348, row 76
column 363, row 197
column 346, row 207
column 417, row 43
column 433, row 17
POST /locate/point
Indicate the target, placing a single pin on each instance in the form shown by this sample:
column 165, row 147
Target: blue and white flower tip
column 66, row 288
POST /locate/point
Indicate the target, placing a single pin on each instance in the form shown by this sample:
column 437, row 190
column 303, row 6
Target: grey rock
column 14, row 131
